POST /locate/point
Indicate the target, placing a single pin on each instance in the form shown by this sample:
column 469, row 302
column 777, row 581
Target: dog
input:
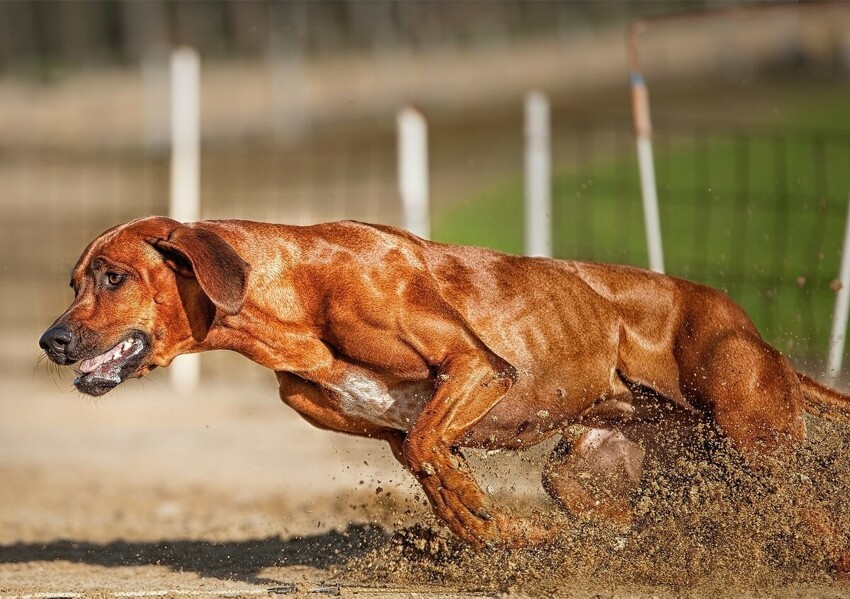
column 375, row 332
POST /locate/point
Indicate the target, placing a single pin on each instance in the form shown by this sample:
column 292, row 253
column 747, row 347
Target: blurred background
column 298, row 106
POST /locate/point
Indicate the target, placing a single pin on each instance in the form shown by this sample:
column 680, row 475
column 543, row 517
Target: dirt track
column 148, row 490
column 227, row 492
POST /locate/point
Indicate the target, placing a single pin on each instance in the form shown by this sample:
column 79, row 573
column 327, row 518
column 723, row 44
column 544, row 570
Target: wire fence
column 758, row 213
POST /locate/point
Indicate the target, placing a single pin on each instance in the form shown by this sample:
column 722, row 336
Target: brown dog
column 372, row 331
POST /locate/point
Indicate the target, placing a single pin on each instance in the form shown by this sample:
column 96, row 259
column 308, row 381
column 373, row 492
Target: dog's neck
column 288, row 306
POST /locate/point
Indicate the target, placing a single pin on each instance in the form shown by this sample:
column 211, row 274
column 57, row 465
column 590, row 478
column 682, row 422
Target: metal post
column 842, row 303
column 413, row 171
column 649, row 193
column 185, row 173
column 538, row 178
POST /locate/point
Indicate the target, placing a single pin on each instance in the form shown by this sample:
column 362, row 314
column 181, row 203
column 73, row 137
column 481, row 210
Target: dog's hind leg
column 595, row 473
column 753, row 394
column 757, row 401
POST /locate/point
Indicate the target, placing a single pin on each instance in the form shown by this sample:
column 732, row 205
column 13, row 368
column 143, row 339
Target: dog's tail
column 823, row 401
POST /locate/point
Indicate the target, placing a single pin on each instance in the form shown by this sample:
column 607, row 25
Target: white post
column 185, row 203
column 643, row 130
column 185, row 135
column 842, row 303
column 413, row 171
column 538, row 179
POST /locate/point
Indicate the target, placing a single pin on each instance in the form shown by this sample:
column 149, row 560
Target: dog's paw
column 468, row 517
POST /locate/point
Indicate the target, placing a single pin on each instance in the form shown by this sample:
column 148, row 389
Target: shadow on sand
column 236, row 560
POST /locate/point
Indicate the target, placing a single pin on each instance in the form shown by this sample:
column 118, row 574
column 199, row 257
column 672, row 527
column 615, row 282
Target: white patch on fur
column 371, row 400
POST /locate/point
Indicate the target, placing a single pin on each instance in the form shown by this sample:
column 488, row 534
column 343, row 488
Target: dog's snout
column 56, row 340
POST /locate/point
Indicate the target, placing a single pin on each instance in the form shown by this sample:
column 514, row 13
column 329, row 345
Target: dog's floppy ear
column 204, row 255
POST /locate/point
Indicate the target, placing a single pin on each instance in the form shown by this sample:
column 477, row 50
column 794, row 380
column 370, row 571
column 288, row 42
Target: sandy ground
column 218, row 492
column 148, row 490
column 227, row 492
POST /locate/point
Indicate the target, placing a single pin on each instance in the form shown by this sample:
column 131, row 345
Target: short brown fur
column 509, row 350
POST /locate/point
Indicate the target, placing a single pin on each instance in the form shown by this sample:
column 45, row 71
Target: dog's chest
column 365, row 397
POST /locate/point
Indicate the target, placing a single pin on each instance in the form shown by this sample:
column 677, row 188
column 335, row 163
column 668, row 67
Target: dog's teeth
column 117, row 352
column 91, row 364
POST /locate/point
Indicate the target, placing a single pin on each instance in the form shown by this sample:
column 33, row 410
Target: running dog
column 375, row 332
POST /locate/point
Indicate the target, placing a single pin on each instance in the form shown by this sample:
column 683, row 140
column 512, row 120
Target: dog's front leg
column 469, row 385
column 310, row 401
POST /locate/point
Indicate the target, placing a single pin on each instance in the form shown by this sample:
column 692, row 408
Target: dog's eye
column 113, row 279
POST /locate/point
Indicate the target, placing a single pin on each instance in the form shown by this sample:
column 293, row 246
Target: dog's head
column 144, row 292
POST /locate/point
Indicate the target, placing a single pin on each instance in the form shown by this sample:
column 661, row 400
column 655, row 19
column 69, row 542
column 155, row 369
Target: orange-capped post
column 646, row 165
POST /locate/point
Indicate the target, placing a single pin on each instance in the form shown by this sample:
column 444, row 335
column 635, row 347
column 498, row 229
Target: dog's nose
column 56, row 340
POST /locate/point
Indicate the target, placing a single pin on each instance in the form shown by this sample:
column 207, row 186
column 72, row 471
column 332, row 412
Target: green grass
column 760, row 215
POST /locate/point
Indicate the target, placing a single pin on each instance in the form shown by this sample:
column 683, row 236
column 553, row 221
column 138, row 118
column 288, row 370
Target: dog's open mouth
column 99, row 374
